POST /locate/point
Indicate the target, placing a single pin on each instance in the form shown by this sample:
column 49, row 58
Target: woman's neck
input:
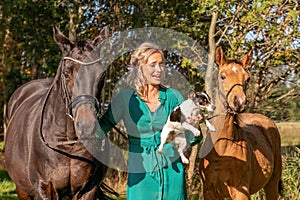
column 152, row 93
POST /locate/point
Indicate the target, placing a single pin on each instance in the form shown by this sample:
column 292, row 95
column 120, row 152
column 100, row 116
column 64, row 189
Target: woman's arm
column 111, row 117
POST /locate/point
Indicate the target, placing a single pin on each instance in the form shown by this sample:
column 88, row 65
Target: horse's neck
column 222, row 121
column 218, row 121
column 55, row 110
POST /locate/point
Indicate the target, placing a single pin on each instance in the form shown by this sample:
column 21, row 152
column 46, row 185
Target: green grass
column 7, row 187
column 290, row 133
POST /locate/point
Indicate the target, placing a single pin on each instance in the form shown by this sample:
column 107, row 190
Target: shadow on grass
column 4, row 175
column 7, row 187
column 8, row 197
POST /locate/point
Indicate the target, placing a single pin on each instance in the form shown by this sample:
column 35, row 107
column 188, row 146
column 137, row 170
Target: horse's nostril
column 79, row 124
column 236, row 102
column 84, row 127
column 239, row 104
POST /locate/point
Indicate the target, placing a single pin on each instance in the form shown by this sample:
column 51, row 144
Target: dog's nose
column 211, row 108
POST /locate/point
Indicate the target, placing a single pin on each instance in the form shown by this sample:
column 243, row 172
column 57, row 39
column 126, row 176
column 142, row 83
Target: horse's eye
column 247, row 81
column 223, row 77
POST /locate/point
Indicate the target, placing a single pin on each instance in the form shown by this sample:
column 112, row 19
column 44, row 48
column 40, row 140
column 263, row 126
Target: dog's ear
column 192, row 95
column 199, row 94
column 176, row 115
column 204, row 92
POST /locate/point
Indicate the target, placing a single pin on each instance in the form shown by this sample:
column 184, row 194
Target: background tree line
column 271, row 28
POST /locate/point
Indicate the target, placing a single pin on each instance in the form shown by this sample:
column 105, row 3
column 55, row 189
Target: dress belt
column 157, row 160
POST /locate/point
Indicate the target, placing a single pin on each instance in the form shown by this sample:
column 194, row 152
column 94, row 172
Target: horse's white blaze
column 234, row 69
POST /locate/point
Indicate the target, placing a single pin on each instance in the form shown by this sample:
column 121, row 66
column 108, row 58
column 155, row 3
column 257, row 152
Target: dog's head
column 203, row 101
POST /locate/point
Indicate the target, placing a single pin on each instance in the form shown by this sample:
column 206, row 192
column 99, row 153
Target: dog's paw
column 210, row 126
column 185, row 160
column 197, row 133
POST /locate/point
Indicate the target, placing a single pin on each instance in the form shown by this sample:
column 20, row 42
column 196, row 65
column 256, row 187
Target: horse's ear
column 220, row 58
column 104, row 33
column 63, row 42
column 247, row 58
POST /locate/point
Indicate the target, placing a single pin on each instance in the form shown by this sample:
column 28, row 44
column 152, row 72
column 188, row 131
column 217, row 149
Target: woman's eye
column 156, row 64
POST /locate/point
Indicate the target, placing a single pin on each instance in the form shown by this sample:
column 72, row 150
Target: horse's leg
column 90, row 195
column 22, row 195
column 272, row 189
column 239, row 193
column 46, row 191
column 208, row 194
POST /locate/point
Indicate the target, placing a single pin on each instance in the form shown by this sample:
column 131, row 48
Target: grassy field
column 290, row 133
column 290, row 138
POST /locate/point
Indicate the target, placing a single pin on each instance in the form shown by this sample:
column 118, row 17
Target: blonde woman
column 144, row 108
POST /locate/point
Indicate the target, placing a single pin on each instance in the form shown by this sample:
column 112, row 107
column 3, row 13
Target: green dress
column 151, row 175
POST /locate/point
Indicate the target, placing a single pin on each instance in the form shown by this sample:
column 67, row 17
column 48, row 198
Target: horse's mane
column 234, row 61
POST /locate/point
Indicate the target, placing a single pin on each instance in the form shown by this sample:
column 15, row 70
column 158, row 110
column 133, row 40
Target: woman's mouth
column 156, row 76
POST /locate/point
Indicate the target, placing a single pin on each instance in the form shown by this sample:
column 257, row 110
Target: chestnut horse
column 244, row 154
column 43, row 151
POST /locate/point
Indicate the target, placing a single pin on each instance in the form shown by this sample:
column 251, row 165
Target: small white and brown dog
column 186, row 116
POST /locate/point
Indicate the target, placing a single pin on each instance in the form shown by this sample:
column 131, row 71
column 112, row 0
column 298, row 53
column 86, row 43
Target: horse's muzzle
column 84, row 121
column 237, row 103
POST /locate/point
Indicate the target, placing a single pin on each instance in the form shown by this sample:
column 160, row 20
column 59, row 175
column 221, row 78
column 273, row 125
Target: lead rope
column 49, row 144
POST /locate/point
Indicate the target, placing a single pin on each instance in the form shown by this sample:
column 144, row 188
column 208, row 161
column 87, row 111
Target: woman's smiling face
column 154, row 69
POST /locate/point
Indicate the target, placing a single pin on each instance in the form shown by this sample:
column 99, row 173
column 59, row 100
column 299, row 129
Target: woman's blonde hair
column 139, row 57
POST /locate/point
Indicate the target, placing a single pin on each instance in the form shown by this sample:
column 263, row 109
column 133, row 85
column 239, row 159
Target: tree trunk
column 192, row 159
column 208, row 89
column 211, row 55
column 8, row 43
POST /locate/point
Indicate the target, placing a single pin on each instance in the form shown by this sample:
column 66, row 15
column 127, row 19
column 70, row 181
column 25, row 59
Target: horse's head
column 81, row 75
column 232, row 80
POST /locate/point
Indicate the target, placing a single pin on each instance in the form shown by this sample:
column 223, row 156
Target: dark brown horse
column 43, row 152
column 244, row 154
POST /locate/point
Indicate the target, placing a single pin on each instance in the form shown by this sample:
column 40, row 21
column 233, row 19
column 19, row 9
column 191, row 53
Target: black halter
column 226, row 105
column 82, row 99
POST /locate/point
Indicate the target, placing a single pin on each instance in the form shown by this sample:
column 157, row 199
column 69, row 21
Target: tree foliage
column 270, row 28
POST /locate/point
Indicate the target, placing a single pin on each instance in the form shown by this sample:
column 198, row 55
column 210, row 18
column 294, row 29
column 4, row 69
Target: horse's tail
column 280, row 187
column 106, row 193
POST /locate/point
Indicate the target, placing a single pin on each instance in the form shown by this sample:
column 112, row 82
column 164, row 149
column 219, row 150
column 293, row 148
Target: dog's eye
column 202, row 102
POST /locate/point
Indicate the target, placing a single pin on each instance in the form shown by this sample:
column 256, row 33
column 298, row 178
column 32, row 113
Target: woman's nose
column 159, row 67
